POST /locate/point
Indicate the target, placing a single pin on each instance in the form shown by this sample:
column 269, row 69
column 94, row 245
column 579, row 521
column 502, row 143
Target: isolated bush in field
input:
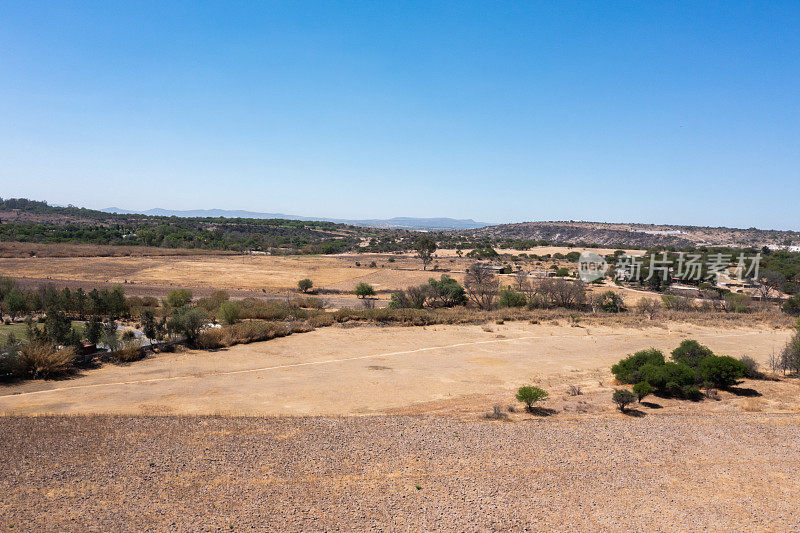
column 179, row 298
column 529, row 395
column 305, row 285
column 364, row 289
column 659, row 376
column 648, row 307
column 511, row 298
column 230, row 312
column 723, row 371
column 690, row 353
column 751, row 367
column 628, row 369
column 642, row 389
column 623, row 398
column 43, row 360
column 574, row 390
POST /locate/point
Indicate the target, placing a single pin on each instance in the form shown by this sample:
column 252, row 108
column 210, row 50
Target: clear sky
column 671, row 112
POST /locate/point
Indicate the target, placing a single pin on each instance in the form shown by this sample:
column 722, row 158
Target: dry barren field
column 369, row 370
column 162, row 444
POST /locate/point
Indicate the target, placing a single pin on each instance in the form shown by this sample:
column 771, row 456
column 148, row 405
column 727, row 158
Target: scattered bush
column 188, row 322
column 623, row 398
column 529, row 395
column 179, row 298
column 574, row 390
column 611, row 302
column 130, row 351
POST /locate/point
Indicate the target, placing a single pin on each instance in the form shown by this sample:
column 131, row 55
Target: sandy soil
column 661, row 473
column 370, row 370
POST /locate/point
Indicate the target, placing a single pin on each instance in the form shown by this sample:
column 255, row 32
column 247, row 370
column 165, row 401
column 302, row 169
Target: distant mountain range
column 432, row 224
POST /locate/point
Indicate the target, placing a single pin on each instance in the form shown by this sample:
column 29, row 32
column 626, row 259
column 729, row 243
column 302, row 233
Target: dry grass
column 43, row 360
column 247, row 332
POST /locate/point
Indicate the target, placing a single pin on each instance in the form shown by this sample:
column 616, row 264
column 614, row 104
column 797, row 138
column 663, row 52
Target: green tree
column 529, row 395
column 511, row 298
column 425, row 247
column 230, row 312
column 446, row 292
column 15, row 304
column 690, row 353
column 623, row 398
column 628, row 369
column 188, row 321
column 642, row 389
column 179, row 298
column 792, row 305
column 93, row 330
column 364, row 289
column 149, row 325
column 723, row 371
column 305, row 284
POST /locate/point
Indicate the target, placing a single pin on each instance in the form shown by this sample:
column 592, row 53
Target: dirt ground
column 724, row 472
column 244, row 272
column 373, row 370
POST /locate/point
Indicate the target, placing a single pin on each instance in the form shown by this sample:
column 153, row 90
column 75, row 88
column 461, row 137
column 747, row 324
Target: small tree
column 305, row 285
column 230, row 312
column 188, row 321
column 529, row 395
column 149, row 325
column 364, row 289
column 15, row 304
column 93, row 330
column 425, row 248
column 179, row 298
column 642, row 389
column 623, row 398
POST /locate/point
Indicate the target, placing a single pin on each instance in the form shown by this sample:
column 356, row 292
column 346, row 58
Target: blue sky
column 673, row 112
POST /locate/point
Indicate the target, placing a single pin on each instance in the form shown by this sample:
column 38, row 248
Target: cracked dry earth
column 668, row 473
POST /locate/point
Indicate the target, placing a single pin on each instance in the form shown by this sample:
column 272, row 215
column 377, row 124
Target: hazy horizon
column 650, row 113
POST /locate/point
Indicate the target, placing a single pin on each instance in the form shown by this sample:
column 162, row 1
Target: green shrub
column 188, row 321
column 364, row 289
column 690, row 353
column 642, row 389
column 623, row 398
column 511, row 298
column 230, row 313
column 305, row 284
column 660, row 376
column 692, row 392
column 611, row 302
column 529, row 395
column 722, row 371
column 628, row 370
column 792, row 305
column 179, row 298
